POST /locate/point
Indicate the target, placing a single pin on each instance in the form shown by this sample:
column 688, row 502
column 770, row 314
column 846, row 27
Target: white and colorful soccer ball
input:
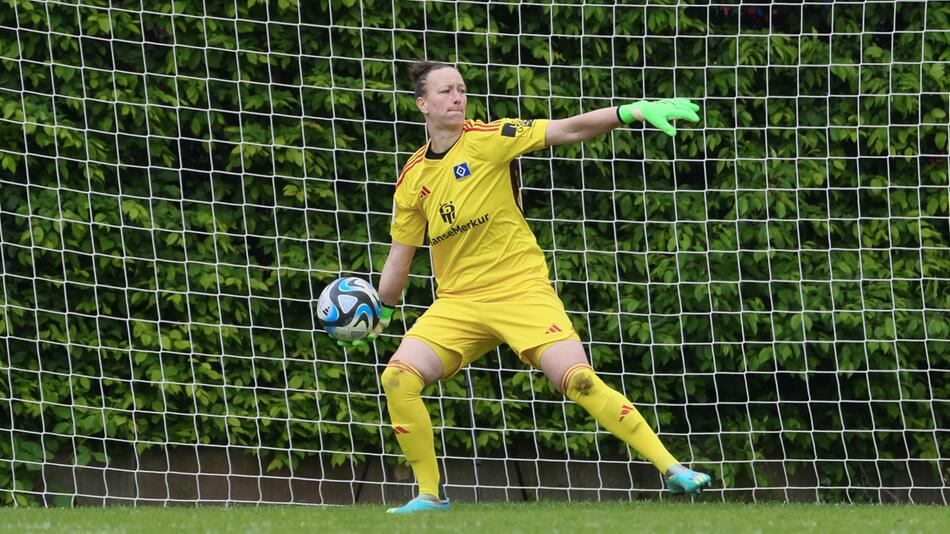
column 348, row 308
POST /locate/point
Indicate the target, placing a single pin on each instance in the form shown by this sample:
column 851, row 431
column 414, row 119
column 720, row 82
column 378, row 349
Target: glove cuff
column 386, row 311
column 625, row 112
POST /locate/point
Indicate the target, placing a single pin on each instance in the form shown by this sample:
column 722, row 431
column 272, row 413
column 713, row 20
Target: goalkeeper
column 493, row 285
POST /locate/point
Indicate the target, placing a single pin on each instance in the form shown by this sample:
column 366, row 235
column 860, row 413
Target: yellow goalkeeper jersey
column 468, row 204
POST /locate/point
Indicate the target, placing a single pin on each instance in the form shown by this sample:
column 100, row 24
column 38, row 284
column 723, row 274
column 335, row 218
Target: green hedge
column 177, row 187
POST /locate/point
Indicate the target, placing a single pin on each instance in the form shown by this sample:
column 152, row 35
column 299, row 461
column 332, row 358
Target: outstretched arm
column 588, row 125
column 580, row 128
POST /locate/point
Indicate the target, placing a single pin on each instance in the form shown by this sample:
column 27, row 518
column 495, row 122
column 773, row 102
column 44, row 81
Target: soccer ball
column 349, row 308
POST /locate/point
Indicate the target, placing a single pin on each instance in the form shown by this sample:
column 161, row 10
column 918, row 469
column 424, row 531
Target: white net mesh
column 179, row 180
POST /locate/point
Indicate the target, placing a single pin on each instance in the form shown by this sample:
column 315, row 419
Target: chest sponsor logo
column 462, row 171
column 447, row 211
column 458, row 229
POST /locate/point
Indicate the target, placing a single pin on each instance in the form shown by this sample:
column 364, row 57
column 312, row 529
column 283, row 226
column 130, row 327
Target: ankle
column 676, row 469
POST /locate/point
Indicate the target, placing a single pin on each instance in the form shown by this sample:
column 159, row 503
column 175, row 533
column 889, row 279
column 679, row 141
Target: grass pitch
column 493, row 518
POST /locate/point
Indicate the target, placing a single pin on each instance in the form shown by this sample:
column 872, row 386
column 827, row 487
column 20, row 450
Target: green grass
column 494, row 518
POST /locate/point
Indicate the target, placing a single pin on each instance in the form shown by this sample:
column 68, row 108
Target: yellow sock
column 411, row 423
column 615, row 413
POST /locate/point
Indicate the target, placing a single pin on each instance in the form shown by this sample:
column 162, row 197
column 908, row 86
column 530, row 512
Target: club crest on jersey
column 462, row 171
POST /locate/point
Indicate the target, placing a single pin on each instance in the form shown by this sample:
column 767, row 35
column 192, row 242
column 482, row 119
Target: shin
column 565, row 364
column 412, row 367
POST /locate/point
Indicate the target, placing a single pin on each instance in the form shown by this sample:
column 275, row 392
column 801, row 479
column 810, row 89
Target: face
column 444, row 102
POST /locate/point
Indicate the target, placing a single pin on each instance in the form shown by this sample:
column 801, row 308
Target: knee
column 390, row 378
column 399, row 378
column 417, row 357
column 580, row 381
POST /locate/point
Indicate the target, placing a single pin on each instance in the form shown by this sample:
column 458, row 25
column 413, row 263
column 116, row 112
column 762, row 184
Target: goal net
column 179, row 181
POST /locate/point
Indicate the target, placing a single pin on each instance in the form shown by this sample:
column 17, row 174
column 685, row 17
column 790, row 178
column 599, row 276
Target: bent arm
column 583, row 127
column 395, row 273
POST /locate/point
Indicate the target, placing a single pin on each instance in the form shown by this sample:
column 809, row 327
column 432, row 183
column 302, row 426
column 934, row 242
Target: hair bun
column 419, row 72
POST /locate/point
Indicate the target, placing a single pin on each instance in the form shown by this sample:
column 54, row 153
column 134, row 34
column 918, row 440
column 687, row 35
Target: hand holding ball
column 350, row 311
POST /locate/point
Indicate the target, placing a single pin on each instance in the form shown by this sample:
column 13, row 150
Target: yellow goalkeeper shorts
column 529, row 319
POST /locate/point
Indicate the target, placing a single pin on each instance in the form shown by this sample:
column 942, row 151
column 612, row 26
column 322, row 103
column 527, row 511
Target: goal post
column 179, row 181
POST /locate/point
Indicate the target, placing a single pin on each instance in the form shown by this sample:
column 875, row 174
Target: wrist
column 629, row 113
column 386, row 312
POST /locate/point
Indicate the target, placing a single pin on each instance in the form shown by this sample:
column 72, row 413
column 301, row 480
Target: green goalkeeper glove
column 658, row 113
column 385, row 315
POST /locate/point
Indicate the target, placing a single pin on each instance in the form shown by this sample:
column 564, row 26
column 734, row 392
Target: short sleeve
column 515, row 137
column 409, row 222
